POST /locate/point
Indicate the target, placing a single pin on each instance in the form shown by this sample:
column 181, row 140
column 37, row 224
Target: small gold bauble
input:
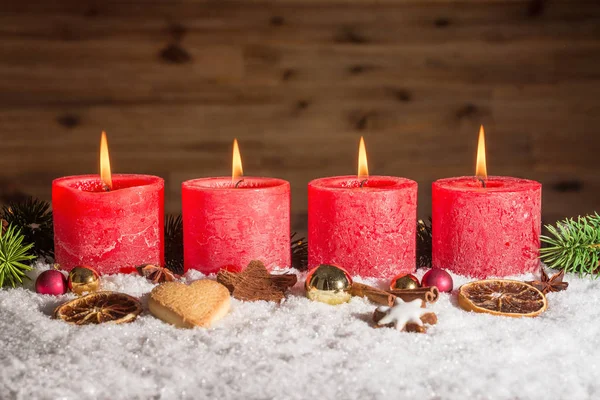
column 328, row 284
column 83, row 279
column 405, row 281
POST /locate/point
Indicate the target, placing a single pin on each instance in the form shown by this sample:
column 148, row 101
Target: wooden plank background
column 298, row 82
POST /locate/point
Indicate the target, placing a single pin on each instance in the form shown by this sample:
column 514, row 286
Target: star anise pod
column 156, row 274
column 3, row 226
column 547, row 285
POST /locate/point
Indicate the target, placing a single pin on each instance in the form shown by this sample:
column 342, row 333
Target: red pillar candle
column 369, row 230
column 367, row 225
column 228, row 224
column 491, row 231
column 108, row 230
column 486, row 226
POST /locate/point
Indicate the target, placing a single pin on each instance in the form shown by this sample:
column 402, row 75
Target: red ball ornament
column 439, row 278
column 51, row 282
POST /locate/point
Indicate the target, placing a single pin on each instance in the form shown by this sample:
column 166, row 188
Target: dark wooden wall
column 298, row 82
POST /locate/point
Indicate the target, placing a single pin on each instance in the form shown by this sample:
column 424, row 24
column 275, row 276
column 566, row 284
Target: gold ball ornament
column 83, row 279
column 405, row 281
column 328, row 284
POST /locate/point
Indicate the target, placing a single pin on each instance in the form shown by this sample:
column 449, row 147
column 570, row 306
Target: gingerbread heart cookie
column 198, row 304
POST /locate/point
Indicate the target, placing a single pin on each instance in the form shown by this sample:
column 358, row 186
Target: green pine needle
column 299, row 247
column 33, row 218
column 574, row 245
column 13, row 254
column 174, row 243
column 424, row 242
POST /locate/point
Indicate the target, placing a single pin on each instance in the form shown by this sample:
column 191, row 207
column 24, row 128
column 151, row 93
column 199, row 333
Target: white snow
column 302, row 350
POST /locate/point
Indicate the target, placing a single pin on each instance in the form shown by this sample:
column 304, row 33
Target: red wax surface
column 482, row 232
column 111, row 230
column 369, row 231
column 227, row 227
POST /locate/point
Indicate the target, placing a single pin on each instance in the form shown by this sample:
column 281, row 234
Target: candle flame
column 481, row 167
column 236, row 167
column 363, row 167
column 105, row 175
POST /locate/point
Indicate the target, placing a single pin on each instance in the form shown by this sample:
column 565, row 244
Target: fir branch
column 33, row 218
column 174, row 243
column 424, row 246
column 573, row 245
column 299, row 252
column 13, row 256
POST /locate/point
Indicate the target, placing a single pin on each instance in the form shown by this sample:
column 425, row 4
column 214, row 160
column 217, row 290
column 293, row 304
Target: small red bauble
column 51, row 282
column 439, row 278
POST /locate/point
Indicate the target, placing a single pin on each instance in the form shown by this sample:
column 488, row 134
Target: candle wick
column 363, row 182
column 238, row 183
column 483, row 183
column 105, row 187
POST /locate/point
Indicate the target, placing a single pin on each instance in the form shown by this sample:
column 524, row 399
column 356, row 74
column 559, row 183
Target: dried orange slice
column 98, row 308
column 502, row 297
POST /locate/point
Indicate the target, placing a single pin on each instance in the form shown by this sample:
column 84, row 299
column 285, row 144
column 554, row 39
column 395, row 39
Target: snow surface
column 302, row 350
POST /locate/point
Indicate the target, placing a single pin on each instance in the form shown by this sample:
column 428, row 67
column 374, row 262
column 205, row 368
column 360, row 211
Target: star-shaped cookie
column 405, row 316
column 256, row 283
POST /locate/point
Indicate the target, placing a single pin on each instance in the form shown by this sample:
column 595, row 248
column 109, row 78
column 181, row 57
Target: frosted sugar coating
column 109, row 231
column 491, row 231
column 369, row 230
column 227, row 227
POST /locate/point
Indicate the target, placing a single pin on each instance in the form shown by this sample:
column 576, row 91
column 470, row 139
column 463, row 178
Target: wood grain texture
column 298, row 82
